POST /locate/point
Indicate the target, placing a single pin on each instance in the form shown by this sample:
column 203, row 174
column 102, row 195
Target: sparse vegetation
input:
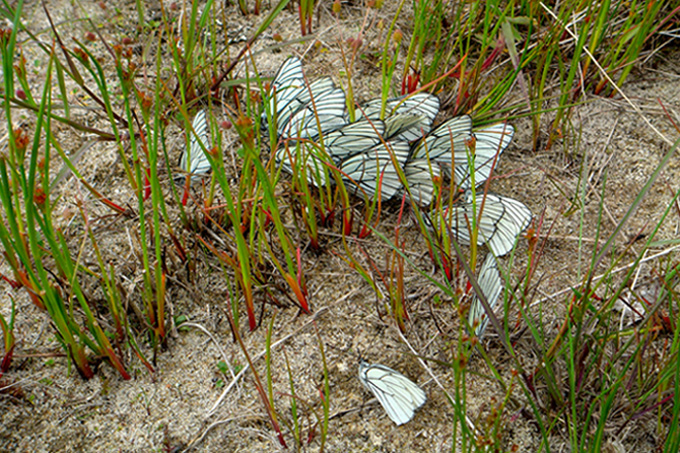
column 105, row 258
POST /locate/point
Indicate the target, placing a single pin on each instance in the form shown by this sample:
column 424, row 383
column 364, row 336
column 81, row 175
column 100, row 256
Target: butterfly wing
column 398, row 395
column 373, row 170
column 353, row 139
column 502, row 220
column 350, row 140
column 407, row 127
column 447, row 145
column 406, row 118
column 488, row 144
column 489, row 280
column 305, row 156
column 420, row 175
column 417, row 104
column 458, row 148
column 321, row 100
column 193, row 159
column 288, row 83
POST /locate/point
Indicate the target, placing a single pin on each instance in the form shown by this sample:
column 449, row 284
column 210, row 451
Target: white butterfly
column 296, row 106
column 489, row 142
column 407, row 127
column 321, row 101
column 373, row 170
column 456, row 146
column 489, row 280
column 421, row 103
column 287, row 84
column 420, row 175
column 353, row 139
column 433, row 152
column 193, row 160
column 501, row 222
column 350, row 140
column 398, row 395
column 298, row 156
column 406, row 118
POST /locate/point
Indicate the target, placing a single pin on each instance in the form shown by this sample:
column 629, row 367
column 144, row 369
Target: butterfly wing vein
column 398, row 395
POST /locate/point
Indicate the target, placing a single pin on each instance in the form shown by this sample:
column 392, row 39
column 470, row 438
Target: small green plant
column 9, row 341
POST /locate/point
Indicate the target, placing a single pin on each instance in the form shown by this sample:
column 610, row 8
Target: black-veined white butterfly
column 406, row 118
column 297, row 156
column 489, row 280
column 398, row 395
column 489, row 142
column 300, row 108
column 350, row 140
column 454, row 145
column 287, row 84
column 407, row 127
column 320, row 109
column 421, row 175
column 420, row 103
column 452, row 134
column 353, row 139
column 373, row 170
column 193, row 160
column 501, row 222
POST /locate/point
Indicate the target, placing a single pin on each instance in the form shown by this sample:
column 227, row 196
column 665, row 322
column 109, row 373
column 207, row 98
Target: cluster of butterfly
column 315, row 135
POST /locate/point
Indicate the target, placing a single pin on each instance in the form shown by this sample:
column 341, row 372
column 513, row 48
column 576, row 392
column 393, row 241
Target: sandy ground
column 50, row 408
